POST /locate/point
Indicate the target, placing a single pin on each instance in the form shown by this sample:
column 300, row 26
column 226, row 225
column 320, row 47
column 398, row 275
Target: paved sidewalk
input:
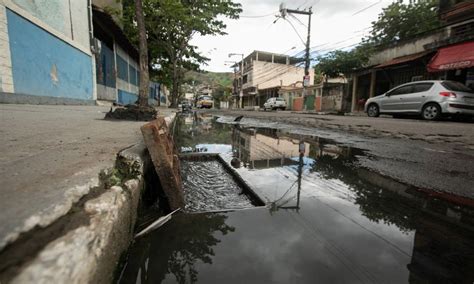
column 50, row 156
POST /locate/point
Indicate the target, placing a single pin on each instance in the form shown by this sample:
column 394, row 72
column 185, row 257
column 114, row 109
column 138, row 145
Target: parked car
column 430, row 99
column 204, row 102
column 275, row 103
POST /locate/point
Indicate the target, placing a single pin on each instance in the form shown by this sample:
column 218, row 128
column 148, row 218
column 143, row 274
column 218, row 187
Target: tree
column 143, row 51
column 171, row 25
column 398, row 21
column 402, row 21
column 339, row 62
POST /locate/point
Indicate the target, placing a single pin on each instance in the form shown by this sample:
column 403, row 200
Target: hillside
column 214, row 79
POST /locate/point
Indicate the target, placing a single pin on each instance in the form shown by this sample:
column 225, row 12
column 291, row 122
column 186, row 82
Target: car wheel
column 373, row 110
column 431, row 112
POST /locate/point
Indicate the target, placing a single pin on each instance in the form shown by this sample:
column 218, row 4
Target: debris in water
column 165, row 159
column 158, row 223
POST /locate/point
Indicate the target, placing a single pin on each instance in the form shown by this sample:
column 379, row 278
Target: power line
column 299, row 21
column 258, row 16
column 296, row 31
column 366, row 8
column 304, row 3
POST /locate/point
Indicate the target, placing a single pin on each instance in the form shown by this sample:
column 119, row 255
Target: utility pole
column 284, row 12
column 234, row 64
column 241, row 93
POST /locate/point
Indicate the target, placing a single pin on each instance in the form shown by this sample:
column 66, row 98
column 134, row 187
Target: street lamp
column 289, row 50
column 241, row 94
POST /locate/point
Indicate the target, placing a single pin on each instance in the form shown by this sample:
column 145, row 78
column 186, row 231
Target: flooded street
column 326, row 218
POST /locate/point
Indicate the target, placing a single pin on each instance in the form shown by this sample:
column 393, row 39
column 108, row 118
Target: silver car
column 275, row 103
column 431, row 99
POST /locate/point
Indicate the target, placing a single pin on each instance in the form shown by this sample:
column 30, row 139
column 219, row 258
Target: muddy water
column 327, row 219
column 209, row 187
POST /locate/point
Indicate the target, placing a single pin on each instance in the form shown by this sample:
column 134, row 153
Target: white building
column 263, row 75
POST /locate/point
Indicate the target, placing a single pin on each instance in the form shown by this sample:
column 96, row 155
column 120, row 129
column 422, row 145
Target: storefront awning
column 453, row 57
column 402, row 59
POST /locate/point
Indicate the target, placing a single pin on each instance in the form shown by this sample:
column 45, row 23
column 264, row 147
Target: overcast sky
column 335, row 24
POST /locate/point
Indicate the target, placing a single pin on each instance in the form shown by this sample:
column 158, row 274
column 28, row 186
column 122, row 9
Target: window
column 280, row 99
column 456, row 87
column 421, row 87
column 245, row 79
column 133, row 75
column 122, row 68
column 401, row 91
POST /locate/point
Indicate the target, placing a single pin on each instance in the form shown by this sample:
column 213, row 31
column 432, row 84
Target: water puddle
column 326, row 220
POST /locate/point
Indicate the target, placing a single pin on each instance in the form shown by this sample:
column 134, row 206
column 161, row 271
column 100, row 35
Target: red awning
column 453, row 57
column 402, row 59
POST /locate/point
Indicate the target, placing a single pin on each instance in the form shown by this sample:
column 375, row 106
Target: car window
column 280, row 99
column 401, row 91
column 456, row 86
column 421, row 87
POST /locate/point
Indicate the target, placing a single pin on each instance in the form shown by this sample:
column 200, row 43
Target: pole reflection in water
column 350, row 225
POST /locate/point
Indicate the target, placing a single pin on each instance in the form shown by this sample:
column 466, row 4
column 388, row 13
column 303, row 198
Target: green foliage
column 340, row 62
column 214, row 79
column 170, row 26
column 402, row 21
column 398, row 21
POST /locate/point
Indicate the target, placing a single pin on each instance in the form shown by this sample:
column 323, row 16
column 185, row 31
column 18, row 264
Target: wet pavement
column 327, row 219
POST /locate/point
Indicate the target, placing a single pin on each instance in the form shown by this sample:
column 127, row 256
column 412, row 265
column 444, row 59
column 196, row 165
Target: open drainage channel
column 326, row 219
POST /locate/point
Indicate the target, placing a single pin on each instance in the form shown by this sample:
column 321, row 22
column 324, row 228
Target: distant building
column 323, row 97
column 66, row 52
column 263, row 75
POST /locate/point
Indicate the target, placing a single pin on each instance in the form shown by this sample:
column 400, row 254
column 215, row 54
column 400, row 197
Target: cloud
column 334, row 26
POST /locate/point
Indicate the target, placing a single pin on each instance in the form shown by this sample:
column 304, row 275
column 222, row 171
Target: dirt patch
column 132, row 112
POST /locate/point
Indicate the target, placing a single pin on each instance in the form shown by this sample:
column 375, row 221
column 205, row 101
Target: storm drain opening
column 211, row 185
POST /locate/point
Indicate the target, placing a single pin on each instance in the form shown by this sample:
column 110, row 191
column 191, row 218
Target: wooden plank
column 160, row 145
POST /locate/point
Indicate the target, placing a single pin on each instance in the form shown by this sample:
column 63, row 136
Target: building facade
column 323, row 97
column 446, row 53
column 66, row 52
column 45, row 52
column 263, row 74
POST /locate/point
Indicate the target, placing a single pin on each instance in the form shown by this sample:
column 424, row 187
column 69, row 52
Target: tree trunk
column 175, row 90
column 144, row 76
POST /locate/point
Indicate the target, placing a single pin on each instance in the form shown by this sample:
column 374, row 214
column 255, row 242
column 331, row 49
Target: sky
column 335, row 24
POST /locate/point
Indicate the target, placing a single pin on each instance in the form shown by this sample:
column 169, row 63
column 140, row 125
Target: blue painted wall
column 43, row 65
column 126, row 98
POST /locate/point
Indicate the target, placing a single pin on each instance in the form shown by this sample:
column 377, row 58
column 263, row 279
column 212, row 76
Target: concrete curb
column 90, row 252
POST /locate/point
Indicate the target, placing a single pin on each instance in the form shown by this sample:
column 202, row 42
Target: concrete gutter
column 85, row 245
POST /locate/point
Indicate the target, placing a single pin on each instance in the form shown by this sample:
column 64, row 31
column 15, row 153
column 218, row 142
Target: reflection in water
column 443, row 249
column 350, row 225
column 174, row 250
column 200, row 133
